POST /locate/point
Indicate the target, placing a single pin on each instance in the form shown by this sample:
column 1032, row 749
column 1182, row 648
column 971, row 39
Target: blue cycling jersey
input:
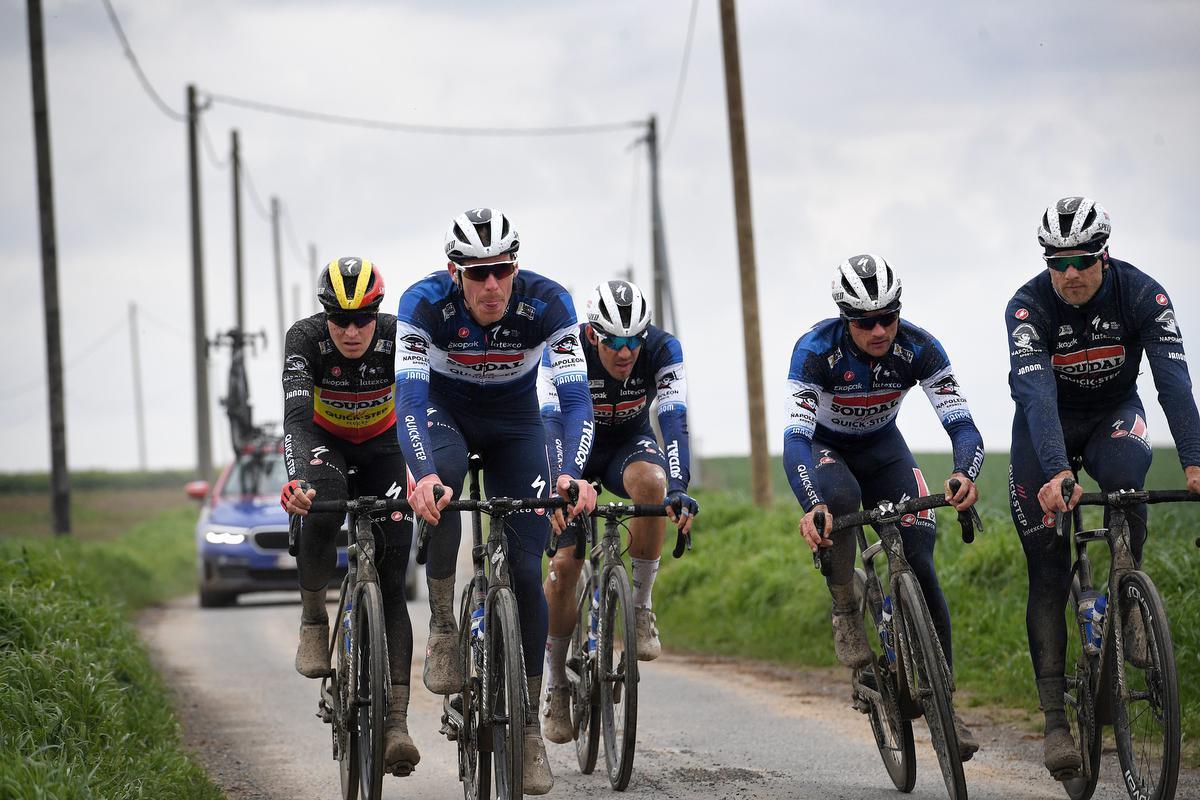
column 442, row 351
column 845, row 398
column 1081, row 359
column 622, row 408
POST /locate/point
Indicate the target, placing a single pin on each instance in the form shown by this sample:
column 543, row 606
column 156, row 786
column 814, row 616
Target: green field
column 749, row 587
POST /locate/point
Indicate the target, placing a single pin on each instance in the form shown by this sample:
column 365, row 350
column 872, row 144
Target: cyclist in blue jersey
column 468, row 344
column 1076, row 336
column 842, row 449
column 629, row 363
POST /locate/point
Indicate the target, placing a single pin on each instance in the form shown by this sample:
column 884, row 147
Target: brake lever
column 818, row 561
column 1060, row 517
column 423, row 529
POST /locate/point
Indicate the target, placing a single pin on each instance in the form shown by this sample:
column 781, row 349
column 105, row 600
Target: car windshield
column 255, row 474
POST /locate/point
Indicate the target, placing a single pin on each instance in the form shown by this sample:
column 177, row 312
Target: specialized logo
column 864, row 267
column 826, row 458
column 1093, row 361
column 1068, row 205
column 1167, row 320
column 414, row 343
column 946, row 386
column 479, row 216
column 567, row 345
column 1137, row 430
column 1024, row 335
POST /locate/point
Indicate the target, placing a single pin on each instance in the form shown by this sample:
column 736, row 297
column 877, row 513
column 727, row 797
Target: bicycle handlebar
column 1122, row 498
column 618, row 510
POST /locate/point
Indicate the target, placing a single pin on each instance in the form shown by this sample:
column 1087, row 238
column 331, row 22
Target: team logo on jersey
column 567, row 345
column 616, row 413
column 806, row 399
column 1066, row 330
column 848, row 376
column 490, row 361
column 1023, row 336
column 296, row 363
column 1021, row 313
column 447, row 311
column 463, row 332
column 1090, row 362
column 826, row 458
column 336, row 372
column 1137, row 431
column 1161, row 299
column 907, row 355
column 865, row 405
column 525, row 310
column 834, row 357
column 1167, row 320
column 383, row 346
column 325, row 346
column 666, row 380
column 946, row 386
column 414, row 343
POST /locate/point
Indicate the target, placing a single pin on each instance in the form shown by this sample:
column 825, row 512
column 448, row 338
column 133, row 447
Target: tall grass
column 750, row 589
column 82, row 712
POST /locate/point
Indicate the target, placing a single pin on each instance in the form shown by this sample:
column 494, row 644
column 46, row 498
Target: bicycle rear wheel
column 618, row 676
column 582, row 673
column 893, row 733
column 1080, row 702
column 503, row 723
column 370, row 688
column 928, row 680
column 1146, row 715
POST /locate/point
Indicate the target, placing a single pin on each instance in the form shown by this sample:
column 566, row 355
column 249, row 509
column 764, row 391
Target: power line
column 407, row 127
column 683, row 69
column 293, row 242
column 95, row 345
column 210, row 148
column 116, row 23
column 164, row 325
column 256, row 200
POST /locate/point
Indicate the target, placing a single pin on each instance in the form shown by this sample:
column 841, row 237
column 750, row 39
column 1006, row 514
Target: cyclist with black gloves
column 469, row 342
column 339, row 410
column 629, row 363
column 842, row 449
column 1076, row 336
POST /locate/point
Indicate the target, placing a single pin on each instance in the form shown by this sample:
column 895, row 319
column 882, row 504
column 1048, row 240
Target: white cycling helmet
column 618, row 309
column 1074, row 223
column 480, row 233
column 864, row 284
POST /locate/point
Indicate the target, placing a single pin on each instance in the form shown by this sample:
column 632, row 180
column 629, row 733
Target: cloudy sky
column 932, row 133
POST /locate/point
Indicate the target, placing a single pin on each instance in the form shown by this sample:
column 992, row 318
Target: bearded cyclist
column 842, row 449
column 469, row 342
column 339, row 410
column 1076, row 336
column 629, row 363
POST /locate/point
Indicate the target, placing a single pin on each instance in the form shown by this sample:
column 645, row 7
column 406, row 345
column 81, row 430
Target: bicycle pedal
column 1063, row 775
column 402, row 769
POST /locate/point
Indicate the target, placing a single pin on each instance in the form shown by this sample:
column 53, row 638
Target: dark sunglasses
column 617, row 342
column 359, row 319
column 1079, row 262
column 480, row 272
column 869, row 323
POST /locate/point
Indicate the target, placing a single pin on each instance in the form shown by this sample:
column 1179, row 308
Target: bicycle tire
column 932, row 687
column 1083, row 673
column 1154, row 689
column 474, row 772
column 372, row 678
column 344, row 731
column 504, row 695
column 618, row 707
column 893, row 733
column 585, row 694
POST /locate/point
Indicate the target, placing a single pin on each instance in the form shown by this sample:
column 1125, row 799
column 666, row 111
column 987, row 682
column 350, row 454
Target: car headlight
column 225, row 536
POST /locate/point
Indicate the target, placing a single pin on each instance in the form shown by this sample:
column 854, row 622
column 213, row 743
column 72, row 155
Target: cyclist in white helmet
column 630, row 363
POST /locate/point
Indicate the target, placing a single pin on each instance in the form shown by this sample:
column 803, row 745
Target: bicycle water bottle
column 594, row 622
column 1092, row 606
column 346, row 626
column 885, row 636
column 477, row 625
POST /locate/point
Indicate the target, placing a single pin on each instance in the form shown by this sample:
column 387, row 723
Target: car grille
column 276, row 539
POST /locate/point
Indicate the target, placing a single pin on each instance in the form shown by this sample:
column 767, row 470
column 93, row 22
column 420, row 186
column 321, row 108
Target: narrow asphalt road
column 707, row 728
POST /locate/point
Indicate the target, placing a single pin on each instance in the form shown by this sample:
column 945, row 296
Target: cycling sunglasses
column 1079, row 262
column 343, row 319
column 480, row 272
column 869, row 323
column 617, row 342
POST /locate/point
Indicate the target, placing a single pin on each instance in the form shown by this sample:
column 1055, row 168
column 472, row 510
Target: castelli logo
column 1021, row 313
column 336, row 372
column 463, row 333
column 848, row 376
column 1161, row 299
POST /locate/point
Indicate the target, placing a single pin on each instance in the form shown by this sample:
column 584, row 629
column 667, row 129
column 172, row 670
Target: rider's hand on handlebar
column 297, row 497
column 682, row 509
column 585, row 504
column 967, row 494
column 1193, row 478
column 422, row 499
column 1050, row 496
column 809, row 531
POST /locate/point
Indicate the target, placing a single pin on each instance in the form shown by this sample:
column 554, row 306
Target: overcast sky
column 933, row 134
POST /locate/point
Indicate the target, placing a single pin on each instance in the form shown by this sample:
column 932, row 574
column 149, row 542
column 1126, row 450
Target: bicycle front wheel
column 1080, row 702
column 618, row 676
column 928, row 681
column 582, row 672
column 370, row 687
column 893, row 733
column 345, row 727
column 1146, row 708
column 503, row 723
column 474, row 768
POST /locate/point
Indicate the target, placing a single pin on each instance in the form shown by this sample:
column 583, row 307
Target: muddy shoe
column 443, row 662
column 312, row 655
column 967, row 743
column 849, row 641
column 556, row 716
column 648, row 645
column 538, row 777
column 400, row 755
column 1061, row 756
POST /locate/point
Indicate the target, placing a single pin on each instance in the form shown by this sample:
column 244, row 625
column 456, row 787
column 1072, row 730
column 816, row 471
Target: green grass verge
column 82, row 712
column 11, row 482
column 749, row 588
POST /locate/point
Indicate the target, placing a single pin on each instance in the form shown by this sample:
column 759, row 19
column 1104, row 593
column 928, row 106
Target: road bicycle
column 354, row 695
column 487, row 718
column 602, row 665
column 1133, row 686
column 908, row 676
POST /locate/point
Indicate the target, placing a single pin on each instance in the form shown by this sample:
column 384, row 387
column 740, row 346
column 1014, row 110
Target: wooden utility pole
column 60, row 480
column 199, row 340
column 664, row 298
column 278, row 270
column 236, row 159
column 760, row 474
column 138, row 409
column 316, row 275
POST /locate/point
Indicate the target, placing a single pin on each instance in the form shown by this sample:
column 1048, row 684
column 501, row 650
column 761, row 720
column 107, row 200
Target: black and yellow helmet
column 350, row 284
